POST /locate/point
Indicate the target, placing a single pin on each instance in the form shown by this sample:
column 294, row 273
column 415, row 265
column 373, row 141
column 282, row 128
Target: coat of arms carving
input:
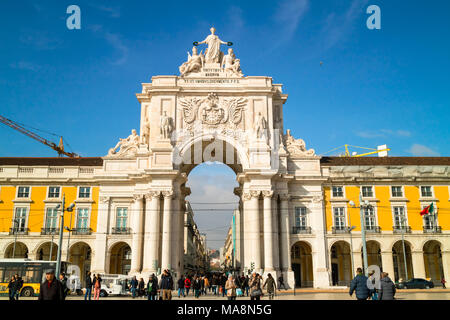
column 212, row 112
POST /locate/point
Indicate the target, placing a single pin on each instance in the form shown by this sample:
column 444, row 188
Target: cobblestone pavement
column 309, row 295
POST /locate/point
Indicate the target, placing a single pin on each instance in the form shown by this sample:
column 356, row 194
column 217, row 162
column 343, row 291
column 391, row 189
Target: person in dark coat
column 181, row 287
column 19, row 285
column 134, row 285
column 166, row 285
column 152, row 287
column 51, row 288
column 88, row 283
column 63, row 280
column 387, row 288
column 141, row 288
column 12, row 288
column 359, row 286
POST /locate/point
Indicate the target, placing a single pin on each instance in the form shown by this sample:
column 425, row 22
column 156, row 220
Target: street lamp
column 403, row 226
column 16, row 229
column 362, row 206
column 61, row 230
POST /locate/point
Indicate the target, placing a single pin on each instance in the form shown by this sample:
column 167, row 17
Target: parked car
column 415, row 283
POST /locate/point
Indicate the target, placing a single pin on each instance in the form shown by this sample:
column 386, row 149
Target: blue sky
column 388, row 86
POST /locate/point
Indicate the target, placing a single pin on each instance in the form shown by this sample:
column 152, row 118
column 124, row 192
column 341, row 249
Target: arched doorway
column 398, row 256
column 19, row 251
column 373, row 254
column 47, row 251
column 80, row 255
column 432, row 256
column 341, row 273
column 120, row 258
column 301, row 259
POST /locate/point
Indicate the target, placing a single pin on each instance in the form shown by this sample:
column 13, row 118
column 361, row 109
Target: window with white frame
column 399, row 217
column 397, row 191
column 367, row 192
column 83, row 218
column 23, row 192
column 369, row 218
column 53, row 192
column 84, row 192
column 51, row 218
column 429, row 220
column 426, row 191
column 339, row 218
column 300, row 217
column 121, row 218
column 338, row 191
column 20, row 219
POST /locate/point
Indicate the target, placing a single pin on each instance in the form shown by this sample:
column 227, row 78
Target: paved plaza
column 433, row 294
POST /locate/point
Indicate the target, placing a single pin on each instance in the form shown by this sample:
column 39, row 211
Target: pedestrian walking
column 152, row 287
column 97, row 286
column 231, row 286
column 197, row 286
column 359, row 286
column 51, row 288
column 255, row 287
column 443, row 283
column 223, row 280
column 134, row 287
column 214, row 284
column 205, row 284
column 18, row 286
column 187, row 285
column 141, row 288
column 12, row 288
column 373, row 285
column 88, row 284
column 271, row 286
column 281, row 281
column 181, row 287
column 387, row 288
column 166, row 285
column 63, row 280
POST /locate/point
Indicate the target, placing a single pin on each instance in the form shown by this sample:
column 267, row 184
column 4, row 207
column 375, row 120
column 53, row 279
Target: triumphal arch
column 212, row 111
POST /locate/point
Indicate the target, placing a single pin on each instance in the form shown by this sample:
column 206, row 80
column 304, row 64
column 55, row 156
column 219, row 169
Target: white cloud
column 289, row 15
column 113, row 12
column 115, row 41
column 25, row 65
column 420, row 150
column 383, row 133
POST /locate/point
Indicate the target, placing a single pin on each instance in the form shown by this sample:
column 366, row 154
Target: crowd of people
column 368, row 288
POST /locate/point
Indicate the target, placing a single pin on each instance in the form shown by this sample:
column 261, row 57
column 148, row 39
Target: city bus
column 31, row 271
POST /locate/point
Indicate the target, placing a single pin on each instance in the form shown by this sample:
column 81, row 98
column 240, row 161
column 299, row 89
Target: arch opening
column 302, row 264
column 341, row 273
column 120, row 259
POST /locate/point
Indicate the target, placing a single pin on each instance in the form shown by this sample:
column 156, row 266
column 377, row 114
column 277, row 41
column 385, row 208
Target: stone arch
column 80, row 255
column 393, row 242
column 340, row 261
column 302, row 264
column 21, row 250
column 46, row 250
column 241, row 155
column 432, row 255
column 119, row 254
column 398, row 256
column 373, row 253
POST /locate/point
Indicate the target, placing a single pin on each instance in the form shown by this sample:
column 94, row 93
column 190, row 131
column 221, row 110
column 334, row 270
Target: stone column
column 166, row 251
column 181, row 227
column 138, row 233
column 276, row 243
column 388, row 263
column 285, row 233
column 268, row 232
column 100, row 246
column 151, row 244
column 446, row 266
column 252, row 230
column 418, row 263
column 357, row 260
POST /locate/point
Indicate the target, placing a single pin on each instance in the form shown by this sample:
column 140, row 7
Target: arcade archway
column 120, row 259
column 341, row 273
column 302, row 265
column 47, row 251
column 398, row 255
column 80, row 255
column 432, row 255
column 19, row 251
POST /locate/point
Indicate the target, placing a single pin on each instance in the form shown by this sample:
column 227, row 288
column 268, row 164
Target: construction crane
column 58, row 148
column 382, row 151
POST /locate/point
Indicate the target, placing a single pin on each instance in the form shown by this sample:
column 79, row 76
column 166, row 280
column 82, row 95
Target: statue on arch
column 260, row 126
column 166, row 126
column 213, row 53
column 146, row 131
column 231, row 64
column 193, row 64
column 128, row 146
